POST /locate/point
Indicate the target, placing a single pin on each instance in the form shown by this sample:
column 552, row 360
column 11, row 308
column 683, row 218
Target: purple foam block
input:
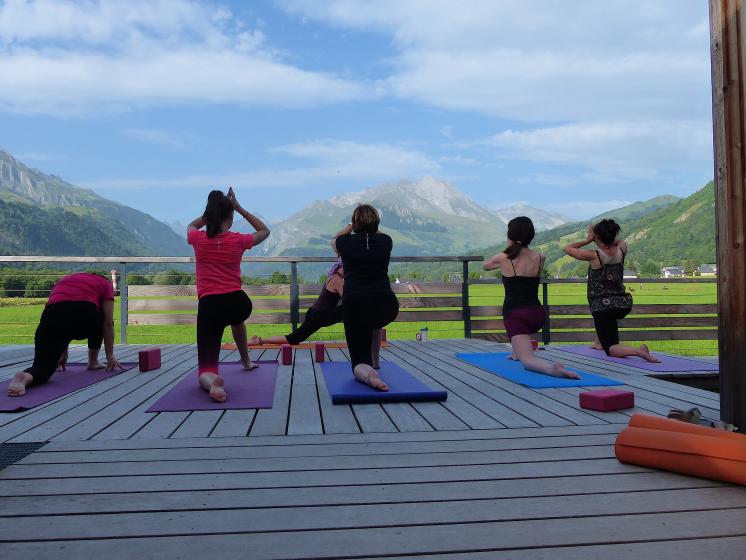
column 245, row 389
column 75, row 377
column 667, row 363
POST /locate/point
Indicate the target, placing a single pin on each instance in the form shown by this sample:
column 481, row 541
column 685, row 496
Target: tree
column 650, row 269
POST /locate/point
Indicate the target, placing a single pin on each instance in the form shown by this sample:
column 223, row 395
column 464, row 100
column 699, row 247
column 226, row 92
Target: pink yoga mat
column 668, row 364
column 245, row 389
column 76, row 376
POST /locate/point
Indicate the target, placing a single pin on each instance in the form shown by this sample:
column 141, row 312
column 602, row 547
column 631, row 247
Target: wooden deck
column 496, row 471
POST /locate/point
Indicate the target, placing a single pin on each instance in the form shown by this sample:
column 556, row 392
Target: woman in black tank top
column 325, row 311
column 608, row 300
column 523, row 313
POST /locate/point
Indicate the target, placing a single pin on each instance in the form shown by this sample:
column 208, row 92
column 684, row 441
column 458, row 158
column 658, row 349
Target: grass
column 19, row 317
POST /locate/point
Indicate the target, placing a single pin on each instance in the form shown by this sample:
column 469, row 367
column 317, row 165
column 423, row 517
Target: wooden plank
column 475, row 536
column 323, row 518
column 693, row 334
column 304, row 415
column 234, row 423
column 188, row 319
column 640, row 309
column 406, row 418
column 642, row 322
column 191, row 290
column 274, row 421
column 191, row 304
column 337, row 419
column 414, row 316
column 243, row 497
column 199, row 423
column 162, row 425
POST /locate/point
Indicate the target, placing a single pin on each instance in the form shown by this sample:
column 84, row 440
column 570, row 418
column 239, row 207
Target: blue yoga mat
column 499, row 364
column 403, row 387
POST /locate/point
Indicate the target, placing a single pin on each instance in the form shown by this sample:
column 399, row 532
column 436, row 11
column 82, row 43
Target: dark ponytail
column 521, row 232
column 218, row 209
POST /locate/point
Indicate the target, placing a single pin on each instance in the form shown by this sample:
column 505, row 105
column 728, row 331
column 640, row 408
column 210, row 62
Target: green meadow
column 19, row 317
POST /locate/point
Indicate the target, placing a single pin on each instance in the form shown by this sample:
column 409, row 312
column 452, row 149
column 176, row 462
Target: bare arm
column 494, row 262
column 344, row 231
column 575, row 251
column 108, row 326
column 195, row 224
column 262, row 231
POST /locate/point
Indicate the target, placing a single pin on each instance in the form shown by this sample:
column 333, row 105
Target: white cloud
column 612, row 151
column 330, row 161
column 158, row 137
column 65, row 58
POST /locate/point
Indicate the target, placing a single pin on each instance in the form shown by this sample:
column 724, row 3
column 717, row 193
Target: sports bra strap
column 511, row 264
column 541, row 265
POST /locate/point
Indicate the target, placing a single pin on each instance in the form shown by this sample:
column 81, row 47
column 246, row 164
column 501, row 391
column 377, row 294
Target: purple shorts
column 527, row 320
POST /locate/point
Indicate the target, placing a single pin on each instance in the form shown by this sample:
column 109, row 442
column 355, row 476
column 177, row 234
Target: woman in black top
column 369, row 303
column 523, row 313
column 608, row 300
column 324, row 312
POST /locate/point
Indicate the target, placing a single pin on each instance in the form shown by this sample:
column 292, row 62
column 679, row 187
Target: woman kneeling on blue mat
column 523, row 313
column 368, row 301
column 81, row 306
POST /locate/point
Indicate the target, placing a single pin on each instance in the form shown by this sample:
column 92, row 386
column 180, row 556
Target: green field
column 18, row 317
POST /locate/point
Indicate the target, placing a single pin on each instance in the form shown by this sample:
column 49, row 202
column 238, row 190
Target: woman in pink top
column 222, row 302
column 81, row 306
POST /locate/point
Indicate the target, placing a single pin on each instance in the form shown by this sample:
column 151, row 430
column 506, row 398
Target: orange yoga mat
column 232, row 346
column 670, row 425
column 704, row 456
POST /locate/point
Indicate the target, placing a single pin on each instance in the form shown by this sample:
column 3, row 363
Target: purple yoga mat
column 245, row 389
column 76, row 376
column 668, row 364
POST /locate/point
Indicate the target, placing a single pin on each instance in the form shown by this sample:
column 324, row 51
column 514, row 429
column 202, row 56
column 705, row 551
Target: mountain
column 424, row 217
column 87, row 224
column 664, row 231
column 542, row 219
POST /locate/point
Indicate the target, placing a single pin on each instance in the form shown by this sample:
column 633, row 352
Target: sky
column 576, row 107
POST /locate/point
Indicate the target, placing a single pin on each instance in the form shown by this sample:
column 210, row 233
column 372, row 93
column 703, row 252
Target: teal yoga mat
column 499, row 364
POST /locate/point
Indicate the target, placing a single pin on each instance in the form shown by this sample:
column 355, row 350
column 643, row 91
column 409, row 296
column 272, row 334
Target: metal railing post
column 294, row 295
column 123, row 305
column 466, row 313
column 546, row 332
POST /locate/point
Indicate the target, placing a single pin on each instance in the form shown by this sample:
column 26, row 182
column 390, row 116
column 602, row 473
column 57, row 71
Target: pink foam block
column 319, row 348
column 287, row 355
column 150, row 359
column 606, row 400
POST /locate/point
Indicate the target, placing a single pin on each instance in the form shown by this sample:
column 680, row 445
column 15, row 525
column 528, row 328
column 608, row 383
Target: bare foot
column 249, row 366
column 558, row 370
column 596, row 346
column 217, row 389
column 369, row 376
column 646, row 355
column 512, row 356
column 255, row 341
column 95, row 366
column 17, row 387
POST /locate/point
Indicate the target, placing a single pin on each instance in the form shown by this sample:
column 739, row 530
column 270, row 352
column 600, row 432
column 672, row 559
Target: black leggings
column 60, row 324
column 214, row 313
column 607, row 327
column 315, row 319
column 363, row 313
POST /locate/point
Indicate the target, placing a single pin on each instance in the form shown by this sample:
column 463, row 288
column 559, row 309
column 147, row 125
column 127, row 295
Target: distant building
column 707, row 270
column 630, row 274
column 672, row 272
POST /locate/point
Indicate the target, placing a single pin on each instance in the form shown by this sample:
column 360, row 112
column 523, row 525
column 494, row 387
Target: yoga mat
column 668, row 363
column 403, row 386
column 76, row 376
column 232, row 346
column 246, row 389
column 499, row 364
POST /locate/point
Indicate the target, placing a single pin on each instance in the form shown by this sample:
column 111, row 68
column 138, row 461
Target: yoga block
column 287, row 355
column 319, row 348
column 605, row 400
column 150, row 359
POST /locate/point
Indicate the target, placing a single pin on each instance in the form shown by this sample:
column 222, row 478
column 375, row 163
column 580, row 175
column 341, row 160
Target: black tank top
column 521, row 291
column 326, row 300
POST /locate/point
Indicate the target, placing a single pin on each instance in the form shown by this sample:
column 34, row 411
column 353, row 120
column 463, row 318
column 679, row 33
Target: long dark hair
column 521, row 232
column 606, row 231
column 218, row 209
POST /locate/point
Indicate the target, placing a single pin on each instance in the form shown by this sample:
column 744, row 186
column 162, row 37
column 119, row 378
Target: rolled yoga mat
column 668, row 364
column 245, row 389
column 705, row 456
column 403, row 386
column 75, row 377
column 671, row 425
column 512, row 370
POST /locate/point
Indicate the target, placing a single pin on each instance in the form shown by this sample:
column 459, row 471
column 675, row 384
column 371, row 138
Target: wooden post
column 294, row 295
column 546, row 336
column 123, row 305
column 728, row 51
column 466, row 309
